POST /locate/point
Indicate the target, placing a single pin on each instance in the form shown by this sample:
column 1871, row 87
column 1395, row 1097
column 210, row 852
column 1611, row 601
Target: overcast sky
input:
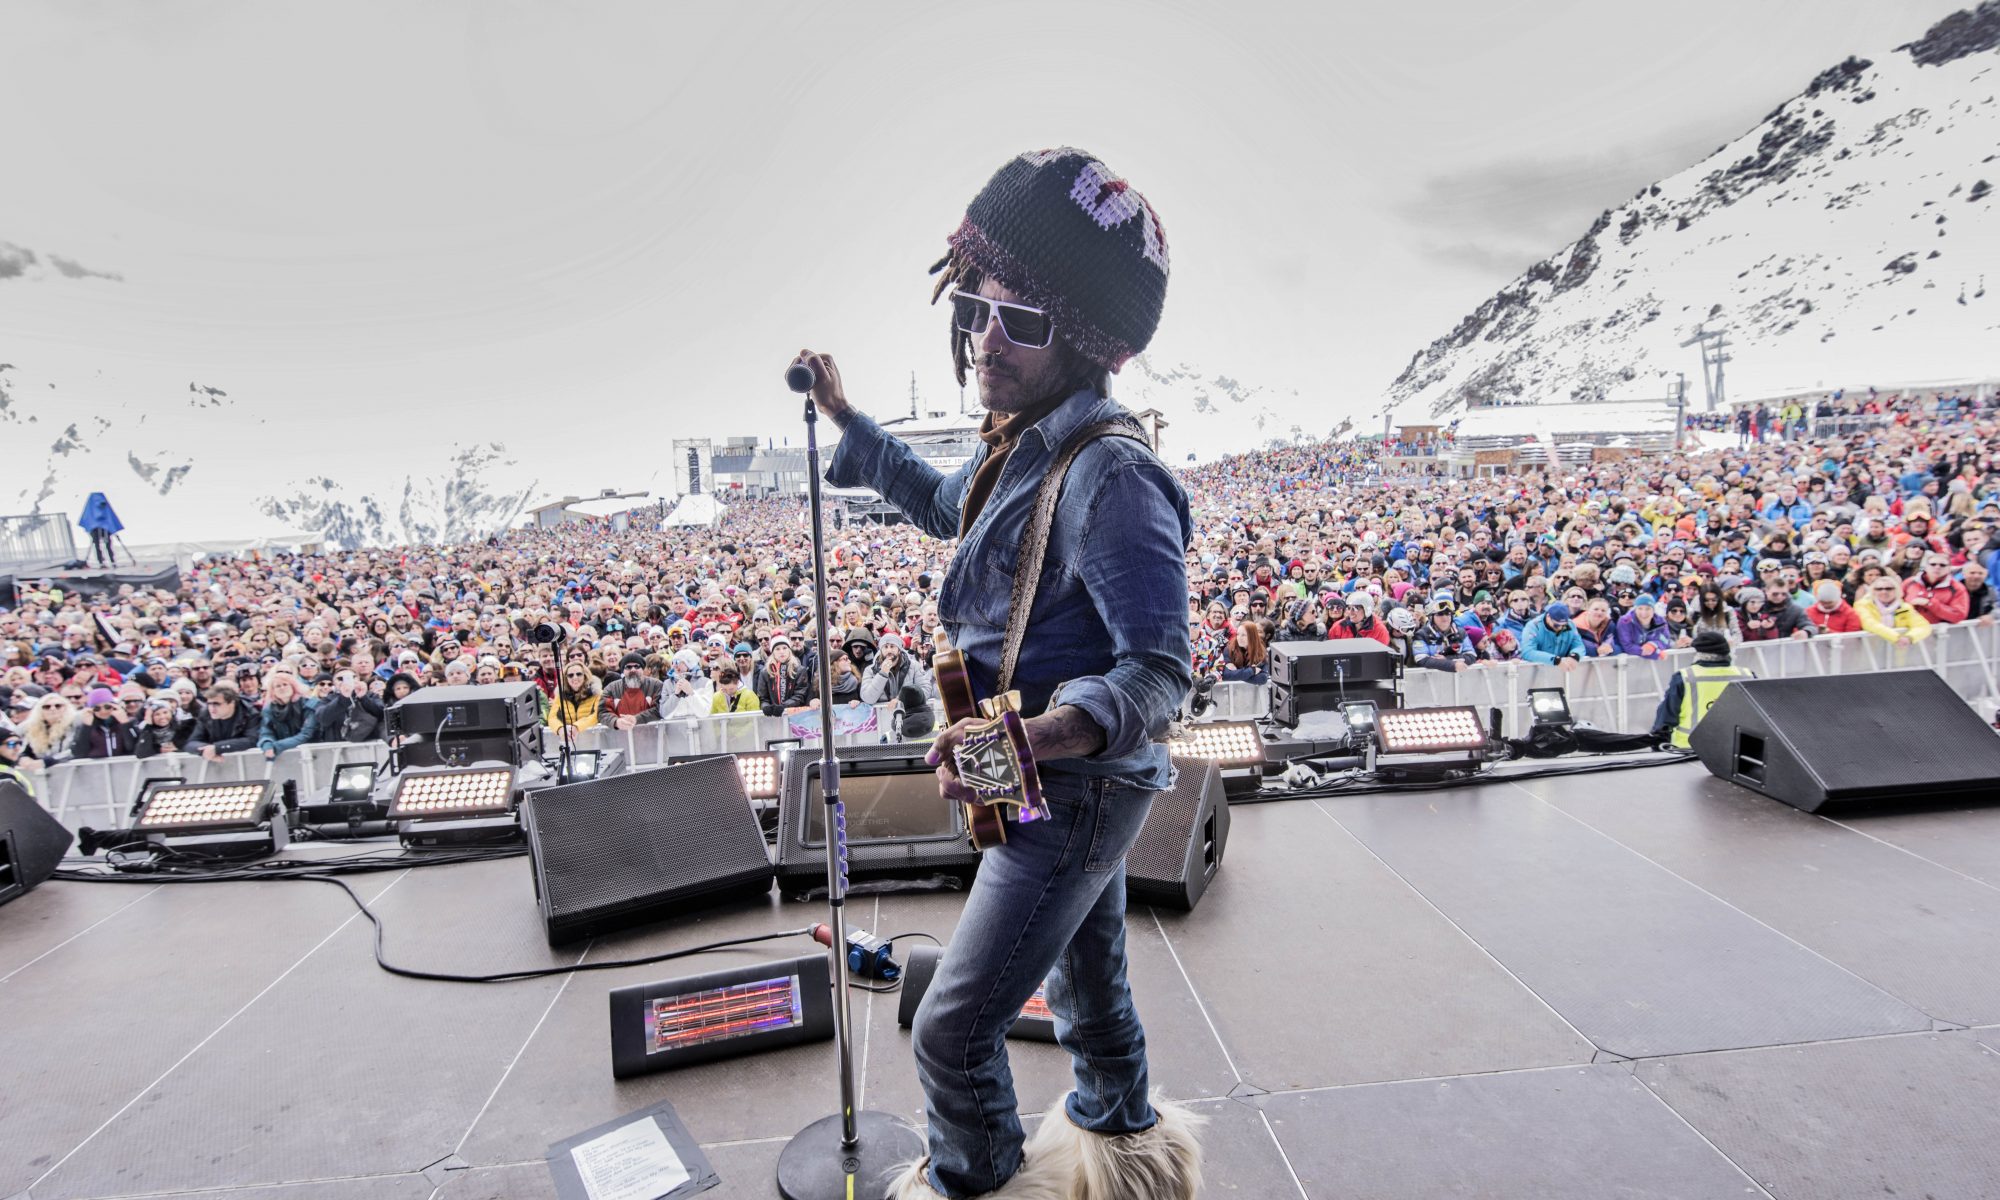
column 601, row 226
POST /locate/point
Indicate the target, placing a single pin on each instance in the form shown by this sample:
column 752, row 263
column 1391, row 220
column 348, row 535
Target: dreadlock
column 962, row 274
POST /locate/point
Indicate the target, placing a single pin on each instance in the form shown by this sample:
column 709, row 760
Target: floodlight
column 1225, row 743
column 1429, row 730
column 204, row 807
column 1549, row 706
column 353, row 783
column 1360, row 718
column 580, row 766
column 350, row 800
column 461, row 792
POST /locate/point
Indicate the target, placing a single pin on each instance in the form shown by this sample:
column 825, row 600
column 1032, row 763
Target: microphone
column 800, row 378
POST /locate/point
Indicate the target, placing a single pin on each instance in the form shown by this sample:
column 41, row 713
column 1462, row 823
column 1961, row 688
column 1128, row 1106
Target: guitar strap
column 1035, row 538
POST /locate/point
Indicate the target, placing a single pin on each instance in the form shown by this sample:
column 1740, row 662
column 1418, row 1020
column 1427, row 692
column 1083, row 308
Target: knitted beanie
column 1057, row 228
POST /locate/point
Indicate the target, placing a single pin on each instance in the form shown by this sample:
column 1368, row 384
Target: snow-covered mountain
column 1850, row 238
column 193, row 466
column 1210, row 414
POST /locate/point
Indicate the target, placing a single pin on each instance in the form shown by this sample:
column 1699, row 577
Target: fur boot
column 1049, row 1170
column 1161, row 1163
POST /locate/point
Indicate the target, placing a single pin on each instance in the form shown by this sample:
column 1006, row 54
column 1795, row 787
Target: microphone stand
column 849, row 1156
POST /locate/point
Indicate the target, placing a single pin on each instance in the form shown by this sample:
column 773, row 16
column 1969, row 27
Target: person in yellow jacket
column 577, row 700
column 1691, row 692
column 1888, row 616
column 730, row 694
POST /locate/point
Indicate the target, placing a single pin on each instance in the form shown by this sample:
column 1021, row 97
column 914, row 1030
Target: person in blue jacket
column 1550, row 638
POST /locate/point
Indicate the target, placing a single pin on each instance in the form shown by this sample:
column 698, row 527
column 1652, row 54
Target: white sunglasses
column 1024, row 326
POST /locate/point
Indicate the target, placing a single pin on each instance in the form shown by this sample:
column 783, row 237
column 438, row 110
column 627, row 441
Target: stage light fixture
column 760, row 774
column 1225, row 743
column 580, row 766
column 1549, row 707
column 350, row 800
column 1360, row 717
column 213, row 820
column 466, row 792
column 1429, row 730
column 353, row 783
column 205, row 808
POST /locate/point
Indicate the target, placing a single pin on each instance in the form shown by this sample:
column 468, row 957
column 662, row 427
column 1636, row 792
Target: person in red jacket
column 1831, row 611
column 1358, row 620
column 1936, row 594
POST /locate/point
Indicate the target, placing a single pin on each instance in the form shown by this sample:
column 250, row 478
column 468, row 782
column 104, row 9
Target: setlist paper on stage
column 633, row 1162
column 644, row 1155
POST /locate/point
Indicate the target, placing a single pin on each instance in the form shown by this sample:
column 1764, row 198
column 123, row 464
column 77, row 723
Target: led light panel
column 1423, row 730
column 1225, row 743
column 471, row 792
column 760, row 774
column 204, row 806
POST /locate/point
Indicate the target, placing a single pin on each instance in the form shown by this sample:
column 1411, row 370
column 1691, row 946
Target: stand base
column 814, row 1167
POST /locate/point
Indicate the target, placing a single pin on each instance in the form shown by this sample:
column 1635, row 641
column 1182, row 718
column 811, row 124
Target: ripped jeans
column 1050, row 903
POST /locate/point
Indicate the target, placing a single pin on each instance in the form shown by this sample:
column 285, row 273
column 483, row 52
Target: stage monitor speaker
column 898, row 826
column 32, row 842
column 611, row 853
column 1891, row 736
column 1180, row 846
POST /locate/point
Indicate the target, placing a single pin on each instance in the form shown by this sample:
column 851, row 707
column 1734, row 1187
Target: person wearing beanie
column 632, row 697
column 1831, row 611
column 1643, row 631
column 891, row 671
column 1691, row 691
column 1552, row 639
column 1056, row 276
column 100, row 729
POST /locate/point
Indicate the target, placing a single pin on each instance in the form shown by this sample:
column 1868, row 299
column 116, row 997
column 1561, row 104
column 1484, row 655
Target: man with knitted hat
column 1056, row 278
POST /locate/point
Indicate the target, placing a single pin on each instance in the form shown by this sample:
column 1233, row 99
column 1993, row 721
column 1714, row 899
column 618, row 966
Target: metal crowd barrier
column 1618, row 693
column 1622, row 692
column 99, row 792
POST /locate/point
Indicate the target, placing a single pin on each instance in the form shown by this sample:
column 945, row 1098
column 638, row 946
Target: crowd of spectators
column 1888, row 523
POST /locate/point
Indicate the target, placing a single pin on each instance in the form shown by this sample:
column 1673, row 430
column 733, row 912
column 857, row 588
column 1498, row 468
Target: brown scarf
column 1002, row 432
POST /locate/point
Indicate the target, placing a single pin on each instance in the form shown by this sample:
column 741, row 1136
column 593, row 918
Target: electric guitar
column 994, row 760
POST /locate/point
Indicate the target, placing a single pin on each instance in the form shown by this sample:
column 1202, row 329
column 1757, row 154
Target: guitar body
column 994, row 760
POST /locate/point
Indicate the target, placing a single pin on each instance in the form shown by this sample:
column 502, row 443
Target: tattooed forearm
column 1064, row 732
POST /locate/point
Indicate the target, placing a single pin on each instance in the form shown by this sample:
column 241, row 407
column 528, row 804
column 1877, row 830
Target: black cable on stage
column 1358, row 783
column 180, row 867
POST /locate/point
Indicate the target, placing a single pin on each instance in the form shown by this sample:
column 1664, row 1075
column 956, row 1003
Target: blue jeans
column 1050, row 904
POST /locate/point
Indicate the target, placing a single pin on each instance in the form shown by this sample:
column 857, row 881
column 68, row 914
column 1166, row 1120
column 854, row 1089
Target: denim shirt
column 1108, row 630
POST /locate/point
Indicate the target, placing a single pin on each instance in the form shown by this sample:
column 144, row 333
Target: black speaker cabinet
column 1180, row 846
column 1892, row 736
column 898, row 827
column 1290, row 702
column 1334, row 662
column 611, row 853
column 32, row 842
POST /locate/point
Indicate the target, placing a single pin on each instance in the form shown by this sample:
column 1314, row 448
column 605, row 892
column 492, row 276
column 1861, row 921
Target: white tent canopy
column 698, row 508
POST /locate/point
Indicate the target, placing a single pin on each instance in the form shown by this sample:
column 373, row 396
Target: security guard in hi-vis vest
column 1690, row 693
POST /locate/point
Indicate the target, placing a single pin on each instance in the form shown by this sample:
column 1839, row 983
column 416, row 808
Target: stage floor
column 1640, row 984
